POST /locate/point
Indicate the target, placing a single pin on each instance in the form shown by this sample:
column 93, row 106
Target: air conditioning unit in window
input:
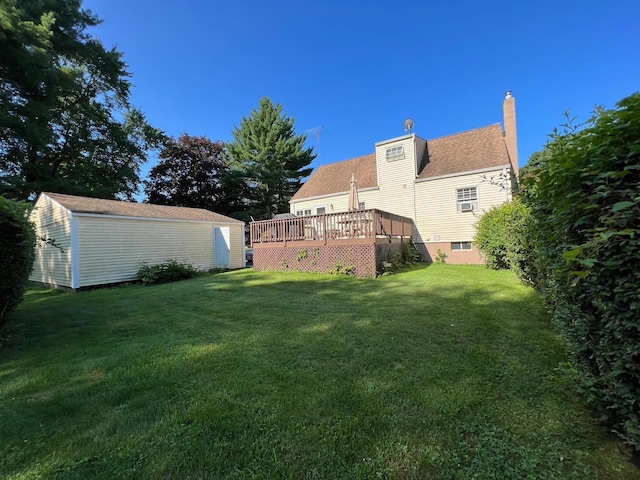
column 466, row 207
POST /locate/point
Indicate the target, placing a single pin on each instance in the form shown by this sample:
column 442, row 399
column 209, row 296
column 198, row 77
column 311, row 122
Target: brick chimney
column 510, row 131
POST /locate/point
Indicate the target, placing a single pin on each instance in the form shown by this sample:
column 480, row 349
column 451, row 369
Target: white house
column 443, row 184
column 105, row 241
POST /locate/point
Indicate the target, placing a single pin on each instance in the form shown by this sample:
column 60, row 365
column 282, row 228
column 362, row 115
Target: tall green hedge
column 17, row 242
column 584, row 197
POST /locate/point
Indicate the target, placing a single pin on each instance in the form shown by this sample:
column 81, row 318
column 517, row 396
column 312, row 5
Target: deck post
column 324, row 228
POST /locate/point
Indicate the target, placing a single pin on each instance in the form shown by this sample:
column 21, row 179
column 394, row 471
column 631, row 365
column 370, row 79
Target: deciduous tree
column 66, row 124
column 191, row 173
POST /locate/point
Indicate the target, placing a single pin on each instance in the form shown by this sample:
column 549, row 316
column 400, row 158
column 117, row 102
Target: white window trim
column 394, row 153
column 470, row 204
column 461, row 246
column 319, row 207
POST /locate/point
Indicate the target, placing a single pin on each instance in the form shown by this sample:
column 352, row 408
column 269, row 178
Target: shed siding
column 436, row 209
column 237, row 246
column 52, row 265
column 111, row 250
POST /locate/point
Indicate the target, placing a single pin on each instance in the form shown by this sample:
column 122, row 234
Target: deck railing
column 359, row 224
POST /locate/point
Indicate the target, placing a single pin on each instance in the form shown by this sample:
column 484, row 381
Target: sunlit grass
column 439, row 372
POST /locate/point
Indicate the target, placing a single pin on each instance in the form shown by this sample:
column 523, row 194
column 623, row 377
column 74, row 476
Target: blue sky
column 355, row 70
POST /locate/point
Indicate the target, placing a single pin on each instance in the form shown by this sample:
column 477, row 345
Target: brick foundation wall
column 430, row 253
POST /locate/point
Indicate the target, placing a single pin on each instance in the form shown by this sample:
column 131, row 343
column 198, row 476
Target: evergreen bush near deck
column 439, row 372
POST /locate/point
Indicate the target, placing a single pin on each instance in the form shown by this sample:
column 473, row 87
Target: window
column 460, row 246
column 301, row 213
column 394, row 153
column 467, row 199
column 361, row 206
column 321, row 210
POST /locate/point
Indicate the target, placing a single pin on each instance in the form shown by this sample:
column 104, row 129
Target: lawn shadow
column 288, row 374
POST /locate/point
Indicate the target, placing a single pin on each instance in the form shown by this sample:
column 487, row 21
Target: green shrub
column 17, row 243
column 503, row 238
column 168, row 271
column 346, row 270
column 408, row 255
column 585, row 205
column 441, row 257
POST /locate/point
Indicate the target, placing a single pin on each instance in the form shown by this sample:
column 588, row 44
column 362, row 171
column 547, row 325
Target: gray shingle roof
column 131, row 209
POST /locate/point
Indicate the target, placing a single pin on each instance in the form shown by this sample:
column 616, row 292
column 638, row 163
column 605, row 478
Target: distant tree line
column 67, row 126
column 254, row 176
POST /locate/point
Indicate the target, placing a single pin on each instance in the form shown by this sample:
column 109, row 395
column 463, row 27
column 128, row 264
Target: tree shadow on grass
column 286, row 375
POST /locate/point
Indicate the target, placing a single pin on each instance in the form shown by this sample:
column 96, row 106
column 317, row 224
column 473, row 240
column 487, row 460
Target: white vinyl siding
column 237, row 246
column 437, row 216
column 111, row 250
column 336, row 203
column 52, row 264
column 396, row 179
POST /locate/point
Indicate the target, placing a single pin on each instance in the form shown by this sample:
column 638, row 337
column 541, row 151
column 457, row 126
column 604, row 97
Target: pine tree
column 272, row 157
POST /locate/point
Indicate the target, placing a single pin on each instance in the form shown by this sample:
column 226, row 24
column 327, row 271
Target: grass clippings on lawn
column 440, row 372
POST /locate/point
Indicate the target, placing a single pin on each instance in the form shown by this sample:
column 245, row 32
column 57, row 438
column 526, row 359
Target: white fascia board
column 397, row 139
column 461, row 174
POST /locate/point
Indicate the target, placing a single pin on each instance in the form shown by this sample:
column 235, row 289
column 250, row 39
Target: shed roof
column 476, row 149
column 101, row 206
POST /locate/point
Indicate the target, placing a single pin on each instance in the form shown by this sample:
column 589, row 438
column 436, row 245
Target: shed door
column 222, row 242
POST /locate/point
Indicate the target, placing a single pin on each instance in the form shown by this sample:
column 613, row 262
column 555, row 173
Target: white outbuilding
column 98, row 241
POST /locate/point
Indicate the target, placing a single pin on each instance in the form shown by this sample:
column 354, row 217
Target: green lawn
column 441, row 372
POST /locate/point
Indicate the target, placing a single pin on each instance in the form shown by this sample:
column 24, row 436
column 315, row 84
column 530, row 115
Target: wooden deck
column 360, row 226
column 358, row 241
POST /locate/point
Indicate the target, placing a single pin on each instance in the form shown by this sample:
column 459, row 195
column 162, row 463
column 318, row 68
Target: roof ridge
column 107, row 206
column 124, row 201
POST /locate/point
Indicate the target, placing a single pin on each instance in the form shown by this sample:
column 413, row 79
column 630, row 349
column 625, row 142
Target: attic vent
column 394, row 153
